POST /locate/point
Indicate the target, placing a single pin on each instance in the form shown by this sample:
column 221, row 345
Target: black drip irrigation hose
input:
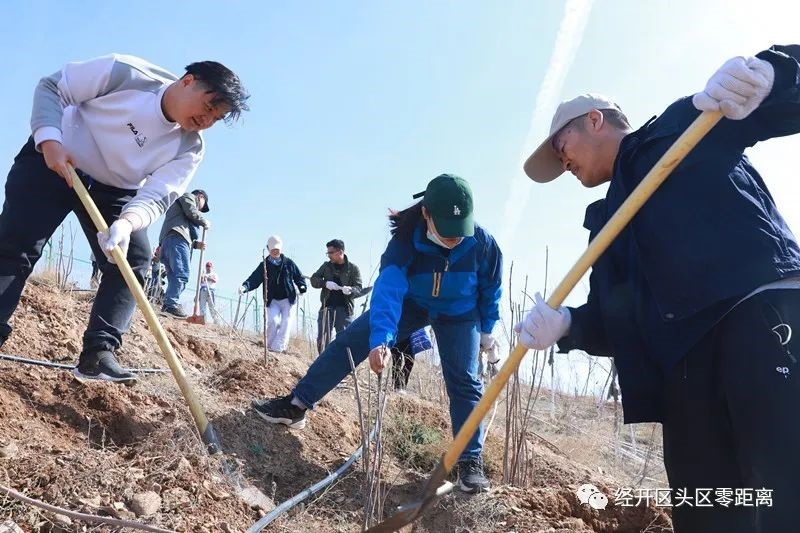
column 310, row 491
column 51, row 364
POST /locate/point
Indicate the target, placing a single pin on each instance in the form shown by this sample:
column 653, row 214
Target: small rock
column 175, row 498
column 9, row 526
column 256, row 499
column 214, row 491
column 226, row 527
column 184, row 465
column 145, row 503
column 93, row 501
column 135, row 473
column 62, row 520
column 9, row 451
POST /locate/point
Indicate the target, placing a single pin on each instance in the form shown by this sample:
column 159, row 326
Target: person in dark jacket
column 439, row 269
column 282, row 277
column 698, row 297
column 177, row 239
column 340, row 281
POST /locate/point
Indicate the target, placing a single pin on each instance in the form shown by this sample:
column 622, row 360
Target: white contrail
column 568, row 40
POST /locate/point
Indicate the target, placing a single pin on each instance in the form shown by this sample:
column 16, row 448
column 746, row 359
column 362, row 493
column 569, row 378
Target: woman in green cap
column 439, row 269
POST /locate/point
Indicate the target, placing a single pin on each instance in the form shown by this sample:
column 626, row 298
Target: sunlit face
column 275, row 253
column 336, row 256
column 200, row 200
column 192, row 107
column 449, row 242
column 579, row 151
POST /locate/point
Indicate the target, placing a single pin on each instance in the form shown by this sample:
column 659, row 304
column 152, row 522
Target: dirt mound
column 96, row 447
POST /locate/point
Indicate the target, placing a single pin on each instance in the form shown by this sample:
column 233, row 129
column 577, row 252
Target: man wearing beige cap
column 697, row 298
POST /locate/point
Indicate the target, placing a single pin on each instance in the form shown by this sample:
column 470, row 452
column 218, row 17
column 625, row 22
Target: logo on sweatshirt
column 140, row 139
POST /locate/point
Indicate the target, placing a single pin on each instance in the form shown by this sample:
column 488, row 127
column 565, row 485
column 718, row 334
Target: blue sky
column 357, row 105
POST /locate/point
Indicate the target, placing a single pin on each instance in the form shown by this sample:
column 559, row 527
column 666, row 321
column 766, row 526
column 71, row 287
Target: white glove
column 490, row 345
column 119, row 234
column 332, row 286
column 347, row 290
column 242, row 289
column 737, row 88
column 543, row 325
column 206, row 224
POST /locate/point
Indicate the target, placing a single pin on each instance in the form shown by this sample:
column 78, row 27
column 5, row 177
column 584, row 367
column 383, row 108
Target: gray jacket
column 180, row 216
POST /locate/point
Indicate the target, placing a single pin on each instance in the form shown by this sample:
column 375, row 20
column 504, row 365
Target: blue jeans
column 458, row 343
column 175, row 252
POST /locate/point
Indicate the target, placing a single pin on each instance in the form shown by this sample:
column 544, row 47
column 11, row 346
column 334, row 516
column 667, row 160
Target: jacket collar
column 424, row 245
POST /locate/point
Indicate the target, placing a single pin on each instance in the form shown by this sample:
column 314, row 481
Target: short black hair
column 336, row 244
column 225, row 85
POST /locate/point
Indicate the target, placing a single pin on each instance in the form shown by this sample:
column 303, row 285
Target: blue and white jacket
column 465, row 281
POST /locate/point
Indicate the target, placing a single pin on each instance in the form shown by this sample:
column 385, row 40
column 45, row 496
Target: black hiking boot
column 281, row 411
column 470, row 475
column 102, row 365
column 174, row 312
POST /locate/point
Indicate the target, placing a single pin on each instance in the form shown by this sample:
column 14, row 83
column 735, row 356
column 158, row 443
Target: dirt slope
column 97, row 447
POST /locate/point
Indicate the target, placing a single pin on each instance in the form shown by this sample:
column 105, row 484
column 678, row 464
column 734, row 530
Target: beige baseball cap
column 544, row 165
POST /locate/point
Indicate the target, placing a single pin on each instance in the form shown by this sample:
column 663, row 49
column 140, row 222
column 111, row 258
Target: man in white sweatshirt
column 132, row 132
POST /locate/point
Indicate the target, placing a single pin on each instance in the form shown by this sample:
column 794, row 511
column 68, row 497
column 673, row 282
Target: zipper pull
column 437, row 284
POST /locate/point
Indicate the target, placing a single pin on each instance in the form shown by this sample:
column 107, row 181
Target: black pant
column 328, row 320
column 402, row 363
column 732, row 417
column 37, row 201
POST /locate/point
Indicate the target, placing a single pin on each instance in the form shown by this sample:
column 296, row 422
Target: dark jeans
column 331, row 318
column 458, row 342
column 37, row 201
column 731, row 418
column 402, row 363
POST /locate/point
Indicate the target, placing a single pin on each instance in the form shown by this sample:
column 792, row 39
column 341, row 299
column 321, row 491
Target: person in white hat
column 697, row 298
column 282, row 277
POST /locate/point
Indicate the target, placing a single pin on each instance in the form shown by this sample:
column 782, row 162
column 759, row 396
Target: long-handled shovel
column 266, row 295
column 197, row 317
column 663, row 167
column 205, row 428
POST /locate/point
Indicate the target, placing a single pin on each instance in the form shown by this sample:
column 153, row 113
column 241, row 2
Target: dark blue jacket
column 464, row 281
column 707, row 237
column 281, row 280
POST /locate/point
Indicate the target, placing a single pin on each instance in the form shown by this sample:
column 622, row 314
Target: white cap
column 274, row 242
column 544, row 165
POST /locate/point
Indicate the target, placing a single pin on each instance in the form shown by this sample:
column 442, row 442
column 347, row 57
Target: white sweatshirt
column 107, row 114
column 209, row 279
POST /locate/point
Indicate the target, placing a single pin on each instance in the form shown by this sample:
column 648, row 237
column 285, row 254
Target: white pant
column 207, row 299
column 279, row 324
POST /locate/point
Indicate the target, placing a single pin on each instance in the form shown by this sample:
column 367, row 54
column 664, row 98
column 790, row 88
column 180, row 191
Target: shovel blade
column 197, row 319
column 435, row 487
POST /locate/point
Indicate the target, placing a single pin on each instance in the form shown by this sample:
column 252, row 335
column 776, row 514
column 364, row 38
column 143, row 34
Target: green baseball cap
column 448, row 199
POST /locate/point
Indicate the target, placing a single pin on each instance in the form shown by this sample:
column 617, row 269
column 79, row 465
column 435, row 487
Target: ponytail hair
column 403, row 223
